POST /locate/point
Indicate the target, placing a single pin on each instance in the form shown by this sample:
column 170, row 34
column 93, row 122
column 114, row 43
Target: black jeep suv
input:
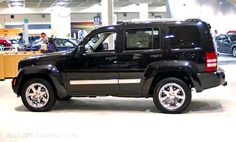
column 159, row 59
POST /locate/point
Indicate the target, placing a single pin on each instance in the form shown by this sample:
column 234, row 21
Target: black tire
column 67, row 98
column 185, row 89
column 51, row 96
column 2, row 47
column 234, row 52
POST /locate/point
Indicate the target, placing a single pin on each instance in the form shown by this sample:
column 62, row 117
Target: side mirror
column 226, row 41
column 105, row 46
column 81, row 49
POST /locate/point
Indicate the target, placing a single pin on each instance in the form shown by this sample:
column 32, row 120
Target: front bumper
column 210, row 80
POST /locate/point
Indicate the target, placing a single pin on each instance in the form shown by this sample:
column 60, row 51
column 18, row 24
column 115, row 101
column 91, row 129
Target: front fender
column 41, row 71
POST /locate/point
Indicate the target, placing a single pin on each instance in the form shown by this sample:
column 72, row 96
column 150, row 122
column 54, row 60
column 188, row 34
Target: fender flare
column 159, row 69
column 49, row 71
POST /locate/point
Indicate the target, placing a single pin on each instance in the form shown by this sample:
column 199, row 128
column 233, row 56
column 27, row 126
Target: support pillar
column 143, row 11
column 107, row 18
column 107, row 12
column 61, row 22
column 26, row 32
column 2, row 21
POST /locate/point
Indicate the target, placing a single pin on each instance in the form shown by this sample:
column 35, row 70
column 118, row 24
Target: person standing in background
column 44, row 40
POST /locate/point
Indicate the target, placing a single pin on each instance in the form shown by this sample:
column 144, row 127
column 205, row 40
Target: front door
column 95, row 72
column 223, row 44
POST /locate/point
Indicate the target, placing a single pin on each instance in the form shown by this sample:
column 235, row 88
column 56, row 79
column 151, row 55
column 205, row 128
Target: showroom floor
column 211, row 116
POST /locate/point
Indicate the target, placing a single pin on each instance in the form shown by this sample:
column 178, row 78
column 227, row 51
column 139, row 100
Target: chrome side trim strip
column 107, row 81
column 129, row 81
column 87, row 82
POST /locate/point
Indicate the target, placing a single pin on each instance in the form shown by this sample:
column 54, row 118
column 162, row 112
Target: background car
column 57, row 44
column 226, row 43
column 5, row 44
column 16, row 45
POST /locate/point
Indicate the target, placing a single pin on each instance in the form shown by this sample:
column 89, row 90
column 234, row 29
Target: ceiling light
column 16, row 0
column 16, row 4
column 61, row 3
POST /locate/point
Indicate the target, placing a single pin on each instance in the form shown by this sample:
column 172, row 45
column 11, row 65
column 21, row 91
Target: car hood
column 44, row 59
column 47, row 56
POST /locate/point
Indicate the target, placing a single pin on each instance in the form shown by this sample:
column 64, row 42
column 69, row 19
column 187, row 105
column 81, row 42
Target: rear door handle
column 156, row 55
column 110, row 58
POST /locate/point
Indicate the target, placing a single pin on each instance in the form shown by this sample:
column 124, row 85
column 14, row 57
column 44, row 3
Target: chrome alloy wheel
column 172, row 96
column 37, row 95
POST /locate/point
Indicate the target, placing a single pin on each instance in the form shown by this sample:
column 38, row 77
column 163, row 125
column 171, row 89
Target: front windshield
column 232, row 36
column 75, row 41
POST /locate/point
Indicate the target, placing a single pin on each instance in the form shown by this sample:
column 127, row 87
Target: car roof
column 163, row 21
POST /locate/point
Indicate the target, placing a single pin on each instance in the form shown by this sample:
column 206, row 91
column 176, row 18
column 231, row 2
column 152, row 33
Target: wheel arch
column 232, row 48
column 58, row 90
column 28, row 77
column 170, row 74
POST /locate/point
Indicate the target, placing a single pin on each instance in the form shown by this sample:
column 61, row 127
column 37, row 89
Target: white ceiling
column 71, row 3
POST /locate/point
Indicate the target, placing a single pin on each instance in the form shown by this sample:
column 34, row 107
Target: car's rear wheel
column 172, row 95
column 38, row 95
column 234, row 51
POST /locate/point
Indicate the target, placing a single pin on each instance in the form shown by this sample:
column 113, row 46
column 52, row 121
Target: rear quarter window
column 184, row 37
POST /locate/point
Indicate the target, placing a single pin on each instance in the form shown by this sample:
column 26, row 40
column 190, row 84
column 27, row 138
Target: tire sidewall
column 233, row 52
column 186, row 89
column 52, row 97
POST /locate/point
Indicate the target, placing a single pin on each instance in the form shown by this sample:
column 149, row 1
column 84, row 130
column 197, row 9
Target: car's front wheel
column 172, row 95
column 38, row 95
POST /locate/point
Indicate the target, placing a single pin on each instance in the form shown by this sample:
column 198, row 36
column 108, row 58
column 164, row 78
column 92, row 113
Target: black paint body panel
column 148, row 65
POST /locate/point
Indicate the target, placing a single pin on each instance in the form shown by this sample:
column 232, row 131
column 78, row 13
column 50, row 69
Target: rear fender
column 161, row 70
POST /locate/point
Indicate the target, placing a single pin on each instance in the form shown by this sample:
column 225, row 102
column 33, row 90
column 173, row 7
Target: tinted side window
column 184, row 37
column 138, row 39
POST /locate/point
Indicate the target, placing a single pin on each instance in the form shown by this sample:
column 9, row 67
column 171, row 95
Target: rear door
column 141, row 48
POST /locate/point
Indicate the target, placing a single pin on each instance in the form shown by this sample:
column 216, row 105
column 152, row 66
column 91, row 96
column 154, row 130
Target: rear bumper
column 210, row 80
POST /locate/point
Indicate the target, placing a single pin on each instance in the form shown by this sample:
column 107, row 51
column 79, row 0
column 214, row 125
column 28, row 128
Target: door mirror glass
column 81, row 49
column 105, row 46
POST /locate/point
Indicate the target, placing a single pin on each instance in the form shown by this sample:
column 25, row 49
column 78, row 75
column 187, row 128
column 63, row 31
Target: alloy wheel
column 37, row 95
column 172, row 96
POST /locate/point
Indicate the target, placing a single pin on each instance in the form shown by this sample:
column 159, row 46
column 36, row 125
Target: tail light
column 211, row 62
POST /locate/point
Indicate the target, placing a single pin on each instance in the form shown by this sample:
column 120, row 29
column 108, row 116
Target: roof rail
column 194, row 20
column 156, row 20
column 163, row 20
